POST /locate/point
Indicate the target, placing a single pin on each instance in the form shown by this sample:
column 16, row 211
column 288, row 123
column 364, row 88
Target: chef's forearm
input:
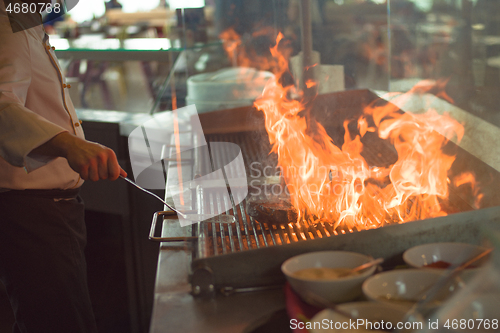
column 55, row 147
column 91, row 160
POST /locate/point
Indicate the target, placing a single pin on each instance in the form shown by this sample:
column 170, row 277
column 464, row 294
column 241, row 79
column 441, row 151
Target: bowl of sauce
column 441, row 256
column 327, row 274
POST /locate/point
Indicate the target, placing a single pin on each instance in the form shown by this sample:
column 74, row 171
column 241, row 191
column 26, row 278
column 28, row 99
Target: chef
column 44, row 160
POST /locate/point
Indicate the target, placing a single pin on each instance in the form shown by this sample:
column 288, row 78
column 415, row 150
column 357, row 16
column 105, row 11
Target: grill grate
column 221, row 256
column 247, row 233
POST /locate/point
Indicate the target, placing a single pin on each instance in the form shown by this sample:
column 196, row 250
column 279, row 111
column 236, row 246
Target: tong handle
column 166, row 239
column 154, row 195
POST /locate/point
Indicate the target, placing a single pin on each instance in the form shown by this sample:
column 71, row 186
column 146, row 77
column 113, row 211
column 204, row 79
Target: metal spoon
column 365, row 265
column 319, row 301
column 192, row 217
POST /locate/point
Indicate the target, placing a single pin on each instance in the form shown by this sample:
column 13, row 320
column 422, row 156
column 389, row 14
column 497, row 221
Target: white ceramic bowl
column 453, row 253
column 403, row 287
column 331, row 321
column 336, row 290
column 473, row 307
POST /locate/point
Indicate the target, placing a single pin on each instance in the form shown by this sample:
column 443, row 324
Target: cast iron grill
column 248, row 253
column 247, row 233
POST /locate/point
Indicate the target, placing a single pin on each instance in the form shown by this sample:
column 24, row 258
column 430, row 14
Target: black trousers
column 42, row 262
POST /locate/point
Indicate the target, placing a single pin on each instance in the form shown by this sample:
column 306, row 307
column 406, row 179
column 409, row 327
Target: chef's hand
column 91, row 160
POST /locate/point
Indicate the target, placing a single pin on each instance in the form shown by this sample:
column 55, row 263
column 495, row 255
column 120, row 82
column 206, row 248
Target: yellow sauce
column 324, row 273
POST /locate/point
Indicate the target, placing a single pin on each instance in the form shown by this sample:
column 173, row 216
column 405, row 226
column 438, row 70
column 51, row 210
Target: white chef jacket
column 34, row 107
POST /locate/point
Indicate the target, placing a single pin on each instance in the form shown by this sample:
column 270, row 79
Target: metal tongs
column 191, row 217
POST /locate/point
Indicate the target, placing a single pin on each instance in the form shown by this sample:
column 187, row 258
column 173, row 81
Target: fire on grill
column 340, row 162
column 329, row 179
column 269, row 231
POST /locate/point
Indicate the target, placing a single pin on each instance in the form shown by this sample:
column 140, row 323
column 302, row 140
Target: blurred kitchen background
column 122, row 55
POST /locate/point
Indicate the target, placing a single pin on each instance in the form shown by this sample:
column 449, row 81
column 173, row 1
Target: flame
column 178, row 150
column 243, row 55
column 469, row 179
column 331, row 184
column 231, row 42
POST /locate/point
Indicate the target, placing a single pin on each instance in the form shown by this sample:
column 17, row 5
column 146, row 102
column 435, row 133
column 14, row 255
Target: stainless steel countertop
column 176, row 310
